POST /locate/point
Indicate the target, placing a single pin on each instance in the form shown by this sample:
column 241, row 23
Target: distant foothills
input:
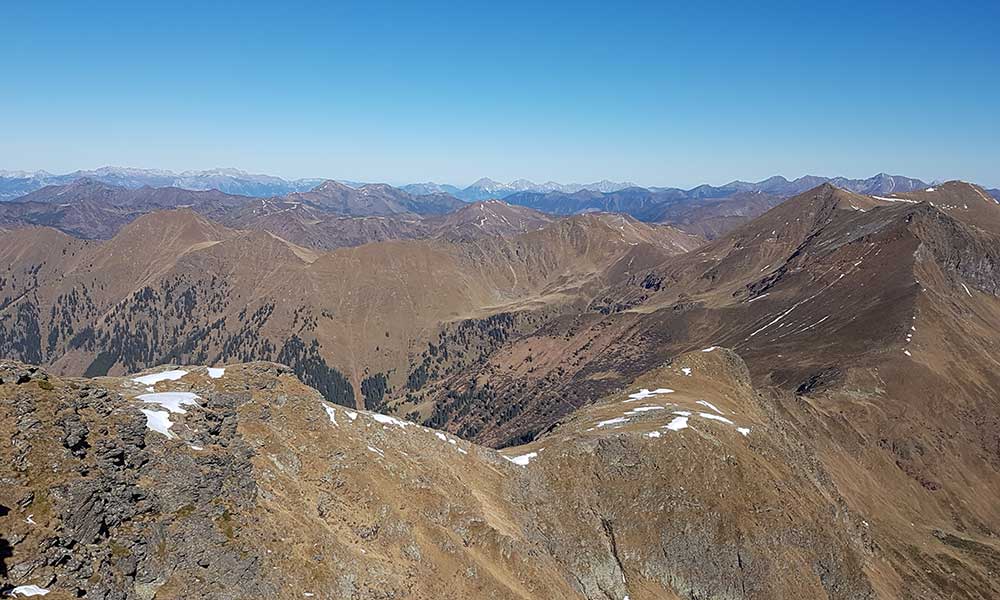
column 14, row 184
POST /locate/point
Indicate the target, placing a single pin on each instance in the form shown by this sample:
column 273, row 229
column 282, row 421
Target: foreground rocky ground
column 242, row 482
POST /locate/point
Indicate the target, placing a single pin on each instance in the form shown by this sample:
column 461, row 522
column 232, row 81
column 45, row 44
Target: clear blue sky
column 653, row 93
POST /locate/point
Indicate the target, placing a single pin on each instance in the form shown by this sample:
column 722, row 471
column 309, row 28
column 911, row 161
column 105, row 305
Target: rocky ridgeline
column 96, row 506
column 258, row 488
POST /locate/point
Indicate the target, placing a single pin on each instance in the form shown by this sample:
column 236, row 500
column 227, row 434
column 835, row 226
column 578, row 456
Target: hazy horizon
column 465, row 184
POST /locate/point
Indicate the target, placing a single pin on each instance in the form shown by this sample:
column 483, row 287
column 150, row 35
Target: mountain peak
column 331, row 185
column 485, row 182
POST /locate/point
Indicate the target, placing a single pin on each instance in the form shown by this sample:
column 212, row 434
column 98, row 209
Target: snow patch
column 677, row 424
column 642, row 409
column 154, row 378
column 744, row 431
column 686, row 371
column 387, row 420
column 28, row 590
column 644, row 393
column 710, row 348
column 523, row 460
column 216, row 372
column 613, row 421
column 712, row 417
column 172, row 401
column 653, row 434
column 159, row 421
column 709, row 405
column 351, row 414
column 330, row 413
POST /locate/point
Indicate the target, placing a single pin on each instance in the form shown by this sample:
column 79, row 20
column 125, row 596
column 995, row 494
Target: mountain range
column 233, row 181
column 790, row 397
column 82, row 208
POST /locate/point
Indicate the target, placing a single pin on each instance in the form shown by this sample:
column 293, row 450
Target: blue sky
column 650, row 92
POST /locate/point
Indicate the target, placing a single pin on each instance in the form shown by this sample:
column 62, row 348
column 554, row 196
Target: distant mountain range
column 92, row 209
column 97, row 206
column 231, row 181
column 486, row 188
column 14, row 184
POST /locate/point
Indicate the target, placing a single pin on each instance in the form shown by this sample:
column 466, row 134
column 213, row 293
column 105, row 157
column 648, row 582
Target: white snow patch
column 330, row 413
column 653, row 434
column 967, row 290
column 216, row 372
column 930, row 189
column 351, row 414
column 172, row 401
column 764, row 295
column 441, row 436
column 712, row 417
column 613, row 421
column 376, row 450
column 744, row 431
column 157, row 420
column 677, row 424
column 907, row 352
column 154, row 378
column 642, row 409
column 30, row 520
column 816, row 323
column 523, row 460
column 644, row 393
column 710, row 348
column 387, row 420
column 28, row 590
column 686, row 371
column 709, row 405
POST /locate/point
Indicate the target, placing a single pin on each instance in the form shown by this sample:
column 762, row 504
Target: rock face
column 687, row 484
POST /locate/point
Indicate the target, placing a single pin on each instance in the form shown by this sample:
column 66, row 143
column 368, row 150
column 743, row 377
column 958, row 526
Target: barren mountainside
column 520, row 406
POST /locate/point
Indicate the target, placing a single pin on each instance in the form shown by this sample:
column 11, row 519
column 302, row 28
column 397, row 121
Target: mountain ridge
column 235, row 181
